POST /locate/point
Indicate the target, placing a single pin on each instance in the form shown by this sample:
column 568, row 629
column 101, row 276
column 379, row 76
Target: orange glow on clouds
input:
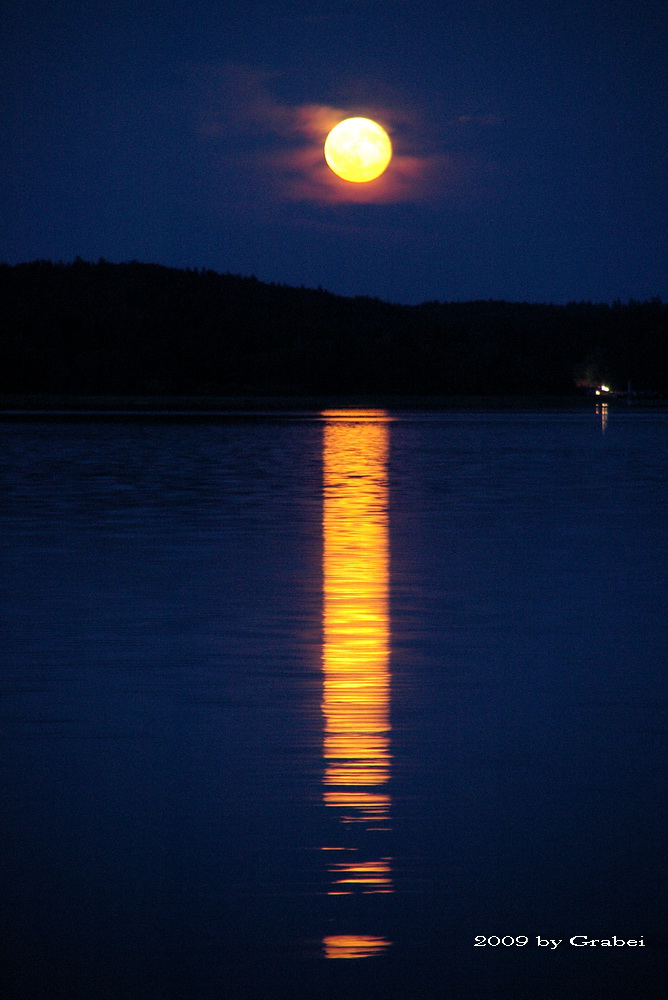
column 286, row 158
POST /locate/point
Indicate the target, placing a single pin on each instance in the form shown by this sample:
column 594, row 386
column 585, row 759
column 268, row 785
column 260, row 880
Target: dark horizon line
column 101, row 261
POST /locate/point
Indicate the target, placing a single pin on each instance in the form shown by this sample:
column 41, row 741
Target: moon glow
column 358, row 149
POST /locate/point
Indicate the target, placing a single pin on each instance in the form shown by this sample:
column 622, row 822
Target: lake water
column 296, row 706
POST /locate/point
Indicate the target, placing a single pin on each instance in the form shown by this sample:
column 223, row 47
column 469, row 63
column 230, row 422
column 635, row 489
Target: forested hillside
column 143, row 329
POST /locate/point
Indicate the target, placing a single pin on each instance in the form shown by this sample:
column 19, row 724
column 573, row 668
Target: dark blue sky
column 530, row 142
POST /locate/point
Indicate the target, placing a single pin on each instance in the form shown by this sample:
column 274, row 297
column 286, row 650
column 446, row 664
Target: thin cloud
column 284, row 143
column 480, row 120
column 236, row 102
column 306, row 177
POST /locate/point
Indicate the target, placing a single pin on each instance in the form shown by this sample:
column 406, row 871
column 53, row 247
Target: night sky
column 530, row 142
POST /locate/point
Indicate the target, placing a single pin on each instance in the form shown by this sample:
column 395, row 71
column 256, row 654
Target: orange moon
column 358, row 150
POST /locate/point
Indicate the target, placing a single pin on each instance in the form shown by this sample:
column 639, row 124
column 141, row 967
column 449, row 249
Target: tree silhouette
column 142, row 329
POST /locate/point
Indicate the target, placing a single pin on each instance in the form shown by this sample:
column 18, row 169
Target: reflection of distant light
column 602, row 409
column 354, row 946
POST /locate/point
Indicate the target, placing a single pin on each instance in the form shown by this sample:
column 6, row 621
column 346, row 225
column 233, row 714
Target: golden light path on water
column 353, row 946
column 356, row 653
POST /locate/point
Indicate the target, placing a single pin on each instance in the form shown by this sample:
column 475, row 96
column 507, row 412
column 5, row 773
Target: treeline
column 144, row 329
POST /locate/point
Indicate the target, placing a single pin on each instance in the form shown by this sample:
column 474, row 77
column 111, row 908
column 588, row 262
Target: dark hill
column 143, row 329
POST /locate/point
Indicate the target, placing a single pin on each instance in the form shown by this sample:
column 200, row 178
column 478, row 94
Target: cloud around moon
column 281, row 143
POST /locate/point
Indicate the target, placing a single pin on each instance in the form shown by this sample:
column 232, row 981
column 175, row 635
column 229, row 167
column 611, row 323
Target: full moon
column 358, row 149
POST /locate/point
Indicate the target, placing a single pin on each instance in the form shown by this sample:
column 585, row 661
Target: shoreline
column 63, row 407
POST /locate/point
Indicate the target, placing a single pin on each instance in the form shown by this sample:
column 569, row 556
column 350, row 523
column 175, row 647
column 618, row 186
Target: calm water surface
column 296, row 706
